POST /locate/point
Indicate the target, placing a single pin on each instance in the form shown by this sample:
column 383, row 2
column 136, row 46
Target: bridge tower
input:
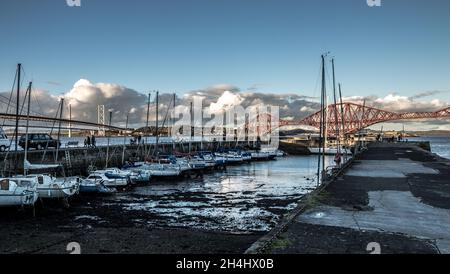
column 101, row 119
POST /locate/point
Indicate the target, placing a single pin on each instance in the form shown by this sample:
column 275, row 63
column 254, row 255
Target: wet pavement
column 396, row 196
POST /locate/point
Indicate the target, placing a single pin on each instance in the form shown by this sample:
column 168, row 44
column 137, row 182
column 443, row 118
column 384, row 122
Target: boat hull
column 11, row 199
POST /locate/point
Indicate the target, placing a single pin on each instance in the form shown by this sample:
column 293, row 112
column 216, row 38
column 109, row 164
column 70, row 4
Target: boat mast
column 342, row 116
column 107, row 147
column 19, row 69
column 201, row 144
column 70, row 120
column 157, row 123
column 322, row 138
column 125, row 140
column 26, row 133
column 336, row 121
column 146, row 124
column 173, row 121
column 59, row 129
column 191, row 128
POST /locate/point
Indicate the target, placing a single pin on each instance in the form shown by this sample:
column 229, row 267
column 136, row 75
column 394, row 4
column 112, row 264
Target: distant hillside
column 436, row 133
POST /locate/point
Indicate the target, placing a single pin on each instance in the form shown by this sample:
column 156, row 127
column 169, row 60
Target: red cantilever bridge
column 357, row 117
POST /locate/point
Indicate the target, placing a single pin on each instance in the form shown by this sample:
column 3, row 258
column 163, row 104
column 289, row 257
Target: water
column 244, row 198
column 439, row 145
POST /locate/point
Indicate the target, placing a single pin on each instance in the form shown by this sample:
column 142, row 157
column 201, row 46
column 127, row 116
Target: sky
column 390, row 53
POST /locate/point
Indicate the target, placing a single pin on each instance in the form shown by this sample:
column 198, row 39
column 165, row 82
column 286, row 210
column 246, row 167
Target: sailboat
column 48, row 187
column 336, row 149
column 18, row 192
column 14, row 192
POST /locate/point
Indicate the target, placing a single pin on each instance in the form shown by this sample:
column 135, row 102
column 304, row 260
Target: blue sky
column 182, row 45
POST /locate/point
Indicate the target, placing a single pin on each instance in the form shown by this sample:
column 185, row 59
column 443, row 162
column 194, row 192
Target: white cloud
column 226, row 101
column 84, row 97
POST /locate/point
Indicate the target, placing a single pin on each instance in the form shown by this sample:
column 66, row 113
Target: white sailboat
column 18, row 193
column 15, row 192
column 50, row 187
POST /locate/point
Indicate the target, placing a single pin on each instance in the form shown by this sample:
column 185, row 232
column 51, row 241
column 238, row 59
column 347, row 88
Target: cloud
column 427, row 94
column 227, row 100
column 85, row 96
column 397, row 103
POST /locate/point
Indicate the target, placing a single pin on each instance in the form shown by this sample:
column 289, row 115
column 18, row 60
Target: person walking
column 93, row 141
column 88, row 141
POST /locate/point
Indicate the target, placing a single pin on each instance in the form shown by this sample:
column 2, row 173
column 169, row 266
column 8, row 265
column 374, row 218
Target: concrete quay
column 393, row 199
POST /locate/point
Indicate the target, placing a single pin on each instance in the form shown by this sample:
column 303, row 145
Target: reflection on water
column 248, row 197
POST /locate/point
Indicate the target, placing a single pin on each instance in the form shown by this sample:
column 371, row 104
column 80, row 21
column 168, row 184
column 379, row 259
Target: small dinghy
column 18, row 193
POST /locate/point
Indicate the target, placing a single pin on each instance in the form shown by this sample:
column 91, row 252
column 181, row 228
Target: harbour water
column 439, row 145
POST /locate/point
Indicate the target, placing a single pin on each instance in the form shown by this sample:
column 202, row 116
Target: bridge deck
column 396, row 195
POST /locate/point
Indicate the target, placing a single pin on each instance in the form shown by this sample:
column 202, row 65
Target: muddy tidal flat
column 218, row 212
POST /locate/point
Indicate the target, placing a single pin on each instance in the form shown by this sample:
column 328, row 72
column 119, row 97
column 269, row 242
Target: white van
column 4, row 141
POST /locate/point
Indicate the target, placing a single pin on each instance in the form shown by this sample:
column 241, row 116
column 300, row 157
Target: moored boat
column 208, row 158
column 95, row 186
column 18, row 192
column 260, row 155
column 234, row 157
column 108, row 182
column 50, row 187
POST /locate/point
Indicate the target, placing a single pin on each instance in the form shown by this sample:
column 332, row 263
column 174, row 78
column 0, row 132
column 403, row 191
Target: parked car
column 39, row 141
column 4, row 141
